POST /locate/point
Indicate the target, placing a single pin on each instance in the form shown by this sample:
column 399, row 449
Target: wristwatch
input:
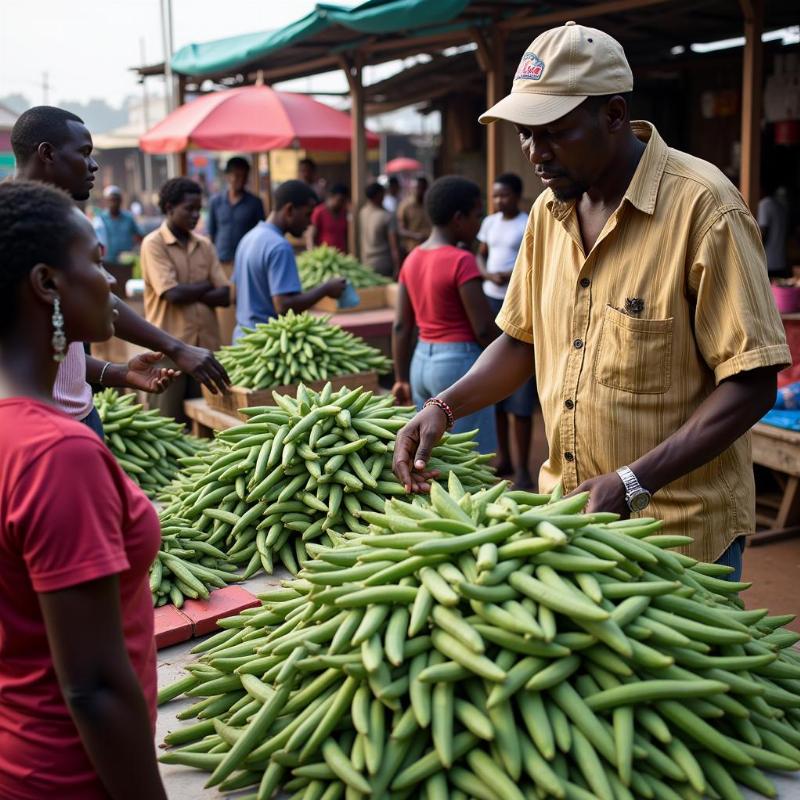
column 636, row 496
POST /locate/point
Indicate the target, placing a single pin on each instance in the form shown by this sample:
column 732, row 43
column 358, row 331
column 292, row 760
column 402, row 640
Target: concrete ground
column 183, row 783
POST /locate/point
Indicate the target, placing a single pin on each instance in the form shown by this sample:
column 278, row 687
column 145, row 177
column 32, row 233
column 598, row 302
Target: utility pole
column 173, row 164
column 148, row 159
column 45, row 88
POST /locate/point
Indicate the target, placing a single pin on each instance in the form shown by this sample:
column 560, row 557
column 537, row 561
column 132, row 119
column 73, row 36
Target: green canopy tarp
column 414, row 17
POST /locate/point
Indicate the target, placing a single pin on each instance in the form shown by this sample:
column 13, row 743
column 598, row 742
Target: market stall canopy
column 403, row 164
column 371, row 17
column 252, row 119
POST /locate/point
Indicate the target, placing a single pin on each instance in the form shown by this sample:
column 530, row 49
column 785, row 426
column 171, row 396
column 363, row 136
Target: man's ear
column 616, row 113
column 46, row 152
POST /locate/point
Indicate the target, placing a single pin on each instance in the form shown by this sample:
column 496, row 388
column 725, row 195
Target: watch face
column 639, row 501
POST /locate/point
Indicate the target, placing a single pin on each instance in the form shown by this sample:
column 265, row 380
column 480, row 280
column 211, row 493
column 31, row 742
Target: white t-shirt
column 503, row 237
column 773, row 215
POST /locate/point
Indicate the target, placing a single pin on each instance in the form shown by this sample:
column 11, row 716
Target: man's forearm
column 501, row 369
column 302, row 301
column 219, row 296
column 724, row 416
column 137, row 330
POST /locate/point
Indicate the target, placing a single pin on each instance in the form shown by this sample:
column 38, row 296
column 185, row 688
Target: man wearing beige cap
column 641, row 295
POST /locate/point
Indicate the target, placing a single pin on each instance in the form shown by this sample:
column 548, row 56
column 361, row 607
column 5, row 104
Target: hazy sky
column 88, row 46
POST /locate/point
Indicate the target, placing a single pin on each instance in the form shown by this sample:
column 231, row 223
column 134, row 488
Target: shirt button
column 570, row 404
column 569, row 456
column 585, row 283
column 578, row 343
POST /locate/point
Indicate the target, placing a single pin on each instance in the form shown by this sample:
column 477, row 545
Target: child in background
column 441, row 293
column 500, row 238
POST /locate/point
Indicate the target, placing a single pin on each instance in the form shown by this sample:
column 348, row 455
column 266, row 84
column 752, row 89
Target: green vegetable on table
column 298, row 347
column 495, row 644
column 305, row 470
column 325, row 262
column 147, row 445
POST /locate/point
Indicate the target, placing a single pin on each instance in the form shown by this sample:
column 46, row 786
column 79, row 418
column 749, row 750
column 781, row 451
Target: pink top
column 68, row 515
column 71, row 393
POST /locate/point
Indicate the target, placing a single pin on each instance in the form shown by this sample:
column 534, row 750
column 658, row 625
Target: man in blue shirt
column 231, row 214
column 265, row 271
column 116, row 229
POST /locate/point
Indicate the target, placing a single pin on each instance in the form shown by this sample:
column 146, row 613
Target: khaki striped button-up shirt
column 630, row 338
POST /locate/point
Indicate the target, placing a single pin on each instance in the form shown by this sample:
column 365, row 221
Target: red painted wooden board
column 199, row 617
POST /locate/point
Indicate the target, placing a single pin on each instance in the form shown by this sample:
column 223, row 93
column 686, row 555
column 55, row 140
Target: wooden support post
column 752, row 82
column 495, row 89
column 180, row 98
column 358, row 146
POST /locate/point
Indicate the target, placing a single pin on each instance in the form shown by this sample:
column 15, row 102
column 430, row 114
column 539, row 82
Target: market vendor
column 231, row 213
column 641, row 295
column 116, row 228
column 183, row 284
column 53, row 146
column 265, row 272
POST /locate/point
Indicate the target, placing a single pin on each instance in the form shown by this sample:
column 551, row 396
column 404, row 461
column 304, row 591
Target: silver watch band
column 630, row 481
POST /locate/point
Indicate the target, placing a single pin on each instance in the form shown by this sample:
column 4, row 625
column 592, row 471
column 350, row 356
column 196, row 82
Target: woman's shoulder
column 30, row 429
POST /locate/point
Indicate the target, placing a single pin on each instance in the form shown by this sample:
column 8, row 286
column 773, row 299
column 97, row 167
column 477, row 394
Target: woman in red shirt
column 441, row 293
column 329, row 220
column 77, row 655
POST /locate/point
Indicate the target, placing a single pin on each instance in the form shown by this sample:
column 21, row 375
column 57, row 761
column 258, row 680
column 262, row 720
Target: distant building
column 7, row 120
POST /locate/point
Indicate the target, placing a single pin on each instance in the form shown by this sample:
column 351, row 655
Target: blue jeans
column 436, row 367
column 92, row 420
column 732, row 557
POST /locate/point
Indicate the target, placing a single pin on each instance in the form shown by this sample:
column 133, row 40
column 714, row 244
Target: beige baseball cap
column 558, row 71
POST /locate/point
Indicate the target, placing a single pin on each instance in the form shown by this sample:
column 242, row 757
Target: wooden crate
column 372, row 297
column 239, row 397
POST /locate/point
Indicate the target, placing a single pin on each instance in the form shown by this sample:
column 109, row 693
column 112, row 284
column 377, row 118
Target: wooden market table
column 374, row 326
column 778, row 450
column 206, row 420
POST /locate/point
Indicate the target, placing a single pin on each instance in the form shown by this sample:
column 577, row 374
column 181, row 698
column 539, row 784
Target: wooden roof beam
column 575, row 13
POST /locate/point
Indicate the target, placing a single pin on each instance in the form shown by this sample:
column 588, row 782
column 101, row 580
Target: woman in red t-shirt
column 441, row 293
column 77, row 654
column 329, row 220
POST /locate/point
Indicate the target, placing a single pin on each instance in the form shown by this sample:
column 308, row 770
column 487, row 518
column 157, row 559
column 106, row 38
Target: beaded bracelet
column 435, row 401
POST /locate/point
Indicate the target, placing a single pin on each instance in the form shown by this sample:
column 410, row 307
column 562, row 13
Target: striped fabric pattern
column 631, row 338
column 71, row 393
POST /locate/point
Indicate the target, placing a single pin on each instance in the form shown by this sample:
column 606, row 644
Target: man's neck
column 235, row 195
column 180, row 234
column 610, row 188
column 513, row 214
column 277, row 221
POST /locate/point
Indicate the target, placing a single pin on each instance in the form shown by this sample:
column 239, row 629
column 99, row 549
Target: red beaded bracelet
column 435, row 401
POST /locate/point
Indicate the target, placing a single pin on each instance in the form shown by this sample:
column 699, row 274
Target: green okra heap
column 297, row 348
column 496, row 644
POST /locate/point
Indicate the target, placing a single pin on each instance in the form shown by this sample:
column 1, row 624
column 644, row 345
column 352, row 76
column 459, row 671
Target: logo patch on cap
column 530, row 67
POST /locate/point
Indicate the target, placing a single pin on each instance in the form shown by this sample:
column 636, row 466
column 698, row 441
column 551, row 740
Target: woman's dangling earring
column 59, row 340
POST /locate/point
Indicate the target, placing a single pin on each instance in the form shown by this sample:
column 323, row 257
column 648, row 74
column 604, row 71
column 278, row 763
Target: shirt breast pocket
column 633, row 354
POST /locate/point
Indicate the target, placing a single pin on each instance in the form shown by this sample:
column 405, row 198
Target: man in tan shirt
column 183, row 283
column 413, row 223
column 640, row 294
